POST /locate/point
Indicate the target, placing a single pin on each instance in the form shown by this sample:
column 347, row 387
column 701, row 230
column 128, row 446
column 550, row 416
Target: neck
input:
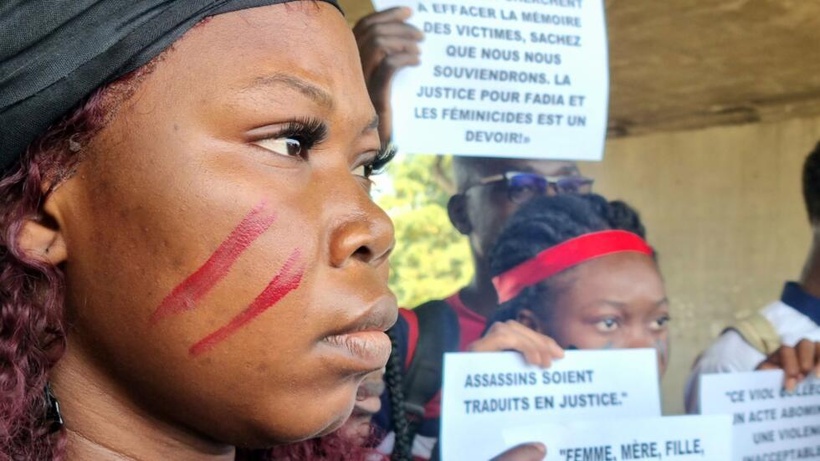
column 102, row 423
column 810, row 277
column 479, row 295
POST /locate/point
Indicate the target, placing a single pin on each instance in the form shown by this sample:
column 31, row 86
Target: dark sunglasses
column 524, row 186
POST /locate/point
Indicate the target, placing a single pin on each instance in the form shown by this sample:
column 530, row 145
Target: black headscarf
column 54, row 53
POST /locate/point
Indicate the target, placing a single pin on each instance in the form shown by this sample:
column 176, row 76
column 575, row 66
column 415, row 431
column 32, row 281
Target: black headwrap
column 54, row 53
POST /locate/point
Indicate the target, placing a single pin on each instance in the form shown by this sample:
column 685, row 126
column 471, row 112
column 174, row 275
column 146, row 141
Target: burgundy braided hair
column 32, row 329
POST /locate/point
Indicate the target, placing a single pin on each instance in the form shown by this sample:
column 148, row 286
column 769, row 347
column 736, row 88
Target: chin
column 307, row 417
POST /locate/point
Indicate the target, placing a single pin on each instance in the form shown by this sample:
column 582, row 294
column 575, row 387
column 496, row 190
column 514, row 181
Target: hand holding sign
column 797, row 362
column 386, row 44
column 486, row 393
column 523, row 452
column 499, row 78
column 537, row 349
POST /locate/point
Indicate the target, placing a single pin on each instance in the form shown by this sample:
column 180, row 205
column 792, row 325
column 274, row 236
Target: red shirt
column 471, row 325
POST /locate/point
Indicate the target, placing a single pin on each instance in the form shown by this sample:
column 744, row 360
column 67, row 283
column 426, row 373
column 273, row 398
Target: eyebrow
column 373, row 125
column 567, row 169
column 318, row 95
column 622, row 305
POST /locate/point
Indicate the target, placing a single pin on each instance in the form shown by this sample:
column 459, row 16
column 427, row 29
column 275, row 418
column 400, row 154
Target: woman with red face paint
column 190, row 260
column 577, row 269
column 189, row 257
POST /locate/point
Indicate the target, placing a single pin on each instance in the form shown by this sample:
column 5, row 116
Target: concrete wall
column 724, row 209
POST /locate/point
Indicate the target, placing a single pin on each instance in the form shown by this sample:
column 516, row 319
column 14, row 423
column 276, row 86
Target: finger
column 504, row 337
column 525, row 452
column 768, row 365
column 379, row 81
column 377, row 34
column 787, row 357
column 389, row 29
column 390, row 44
column 805, row 356
column 373, row 54
column 547, row 346
column 399, row 13
column 538, row 349
column 817, row 357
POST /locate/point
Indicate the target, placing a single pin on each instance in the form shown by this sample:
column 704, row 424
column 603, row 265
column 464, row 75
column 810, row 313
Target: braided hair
column 394, row 382
column 811, row 184
column 544, row 222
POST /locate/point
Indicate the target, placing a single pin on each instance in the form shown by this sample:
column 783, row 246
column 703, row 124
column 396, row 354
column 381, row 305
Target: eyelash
column 663, row 321
column 309, row 132
column 376, row 166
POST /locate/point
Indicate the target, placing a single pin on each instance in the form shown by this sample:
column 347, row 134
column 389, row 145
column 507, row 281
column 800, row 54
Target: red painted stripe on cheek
column 185, row 296
column 287, row 280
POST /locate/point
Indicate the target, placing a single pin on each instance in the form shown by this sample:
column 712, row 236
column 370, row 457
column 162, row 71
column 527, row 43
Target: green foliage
column 431, row 260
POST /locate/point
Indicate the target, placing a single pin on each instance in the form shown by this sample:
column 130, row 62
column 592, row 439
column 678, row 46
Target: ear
column 457, row 211
column 528, row 318
column 41, row 239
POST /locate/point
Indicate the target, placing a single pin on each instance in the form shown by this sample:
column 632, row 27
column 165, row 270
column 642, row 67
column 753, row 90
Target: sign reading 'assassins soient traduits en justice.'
column 514, row 78
column 484, row 394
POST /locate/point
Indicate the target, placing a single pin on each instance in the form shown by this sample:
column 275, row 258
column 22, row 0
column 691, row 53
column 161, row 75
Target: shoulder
column 791, row 325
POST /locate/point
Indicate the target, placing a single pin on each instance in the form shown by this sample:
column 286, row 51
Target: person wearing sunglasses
column 489, row 190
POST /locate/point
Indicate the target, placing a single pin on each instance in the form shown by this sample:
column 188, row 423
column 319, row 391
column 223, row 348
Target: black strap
column 438, row 333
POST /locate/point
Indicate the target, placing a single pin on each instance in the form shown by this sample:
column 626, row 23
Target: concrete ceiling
column 685, row 64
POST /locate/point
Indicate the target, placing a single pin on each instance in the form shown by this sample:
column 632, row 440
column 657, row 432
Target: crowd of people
column 192, row 267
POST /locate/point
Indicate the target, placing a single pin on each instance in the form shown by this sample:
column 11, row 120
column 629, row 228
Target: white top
column 730, row 352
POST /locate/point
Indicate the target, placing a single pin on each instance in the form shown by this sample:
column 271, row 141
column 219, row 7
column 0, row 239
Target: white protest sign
column 769, row 424
column 505, row 78
column 670, row 438
column 485, row 393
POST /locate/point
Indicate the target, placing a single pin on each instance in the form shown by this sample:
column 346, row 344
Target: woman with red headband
column 577, row 269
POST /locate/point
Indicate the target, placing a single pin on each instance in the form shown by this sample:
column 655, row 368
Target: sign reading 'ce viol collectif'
column 505, row 78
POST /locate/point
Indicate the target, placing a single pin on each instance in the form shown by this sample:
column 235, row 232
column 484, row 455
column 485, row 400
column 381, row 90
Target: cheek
column 662, row 346
column 574, row 332
column 590, row 338
column 489, row 213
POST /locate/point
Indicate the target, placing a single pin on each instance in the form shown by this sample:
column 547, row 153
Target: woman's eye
column 295, row 138
column 660, row 323
column 607, row 325
column 361, row 170
column 289, row 147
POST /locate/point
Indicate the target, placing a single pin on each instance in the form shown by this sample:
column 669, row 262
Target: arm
column 386, row 44
column 729, row 353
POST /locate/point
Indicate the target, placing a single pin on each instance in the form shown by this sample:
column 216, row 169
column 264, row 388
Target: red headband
column 565, row 255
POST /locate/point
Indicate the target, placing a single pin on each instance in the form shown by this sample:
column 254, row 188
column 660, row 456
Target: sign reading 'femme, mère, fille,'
column 674, row 438
column 514, row 78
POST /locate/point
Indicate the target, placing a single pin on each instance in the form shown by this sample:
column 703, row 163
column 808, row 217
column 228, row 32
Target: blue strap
column 795, row 297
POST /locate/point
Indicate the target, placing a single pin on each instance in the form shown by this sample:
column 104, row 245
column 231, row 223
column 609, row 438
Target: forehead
column 468, row 169
column 248, row 50
column 620, row 277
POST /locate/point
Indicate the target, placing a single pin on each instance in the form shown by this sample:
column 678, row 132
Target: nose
column 362, row 233
column 369, row 405
column 640, row 337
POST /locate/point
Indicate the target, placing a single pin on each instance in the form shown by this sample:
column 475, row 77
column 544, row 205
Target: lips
column 362, row 345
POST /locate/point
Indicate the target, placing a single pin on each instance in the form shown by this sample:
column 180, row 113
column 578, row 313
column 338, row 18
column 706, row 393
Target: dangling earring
column 53, row 410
